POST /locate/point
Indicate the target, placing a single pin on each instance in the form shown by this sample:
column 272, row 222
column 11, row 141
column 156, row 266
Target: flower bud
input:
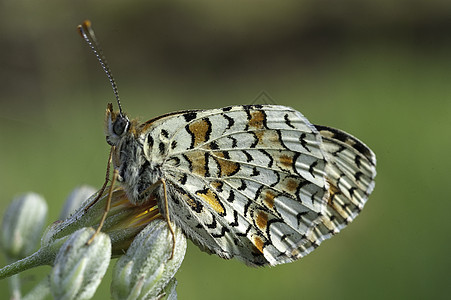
column 76, row 199
column 78, row 267
column 147, row 267
column 22, row 225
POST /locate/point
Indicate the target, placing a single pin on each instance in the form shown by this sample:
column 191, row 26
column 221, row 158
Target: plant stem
column 39, row 258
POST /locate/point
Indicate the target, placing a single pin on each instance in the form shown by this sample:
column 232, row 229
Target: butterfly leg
column 107, row 207
column 168, row 220
column 107, row 178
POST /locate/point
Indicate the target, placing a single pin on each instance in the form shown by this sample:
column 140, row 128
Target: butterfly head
column 117, row 125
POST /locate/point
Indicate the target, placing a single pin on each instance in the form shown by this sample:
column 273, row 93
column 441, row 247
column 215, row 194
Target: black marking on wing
column 164, row 133
column 246, row 207
column 258, row 192
column 249, row 157
column 196, row 205
column 283, row 238
column 295, row 159
column 234, row 141
column 268, row 226
column 193, row 138
column 358, row 161
column 277, row 180
column 219, row 187
column 190, row 165
column 255, row 172
column 255, row 143
column 271, row 160
column 301, row 185
column 214, row 145
column 226, row 154
column 352, row 191
column 183, row 179
column 207, row 169
column 251, row 106
column 303, row 142
column 279, row 134
column 168, row 115
column 358, row 175
column 150, row 141
column 213, row 223
column 208, row 133
column 311, row 168
column 300, row 215
column 246, row 232
column 175, row 161
column 341, row 148
column 235, row 219
column 190, row 116
column 313, row 196
column 231, row 197
column 249, row 116
column 161, row 148
column 243, row 185
column 265, row 119
column 230, row 121
column 288, row 121
column 220, row 235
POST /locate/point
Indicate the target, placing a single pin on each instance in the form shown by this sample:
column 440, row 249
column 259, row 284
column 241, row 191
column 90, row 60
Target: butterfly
column 256, row 182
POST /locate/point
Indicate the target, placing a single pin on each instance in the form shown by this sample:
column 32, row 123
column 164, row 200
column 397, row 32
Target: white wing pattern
column 258, row 182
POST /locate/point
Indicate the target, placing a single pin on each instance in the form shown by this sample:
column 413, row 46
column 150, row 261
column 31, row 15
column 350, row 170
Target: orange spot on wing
column 219, row 154
column 333, row 190
column 269, row 138
column 260, row 136
column 268, row 198
column 198, row 163
column 261, row 220
column 286, row 161
column 227, row 167
column 291, row 185
column 258, row 242
column 216, row 184
column 257, row 119
column 199, row 129
column 191, row 202
column 212, row 199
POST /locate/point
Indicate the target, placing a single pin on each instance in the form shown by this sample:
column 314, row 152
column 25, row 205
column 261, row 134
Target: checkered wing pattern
column 258, row 182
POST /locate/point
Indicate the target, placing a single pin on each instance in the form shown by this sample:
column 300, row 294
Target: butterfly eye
column 120, row 125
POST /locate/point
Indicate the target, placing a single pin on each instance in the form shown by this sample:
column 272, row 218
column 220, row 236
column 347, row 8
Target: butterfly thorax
column 136, row 172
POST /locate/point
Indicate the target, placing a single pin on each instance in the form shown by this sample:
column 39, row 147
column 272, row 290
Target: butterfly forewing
column 244, row 181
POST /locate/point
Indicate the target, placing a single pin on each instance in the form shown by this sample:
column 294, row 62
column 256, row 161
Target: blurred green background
column 380, row 70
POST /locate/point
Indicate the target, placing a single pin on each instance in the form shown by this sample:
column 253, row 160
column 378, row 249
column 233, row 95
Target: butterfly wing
column 251, row 181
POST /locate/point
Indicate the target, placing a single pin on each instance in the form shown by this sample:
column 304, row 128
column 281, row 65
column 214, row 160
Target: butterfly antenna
column 87, row 33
